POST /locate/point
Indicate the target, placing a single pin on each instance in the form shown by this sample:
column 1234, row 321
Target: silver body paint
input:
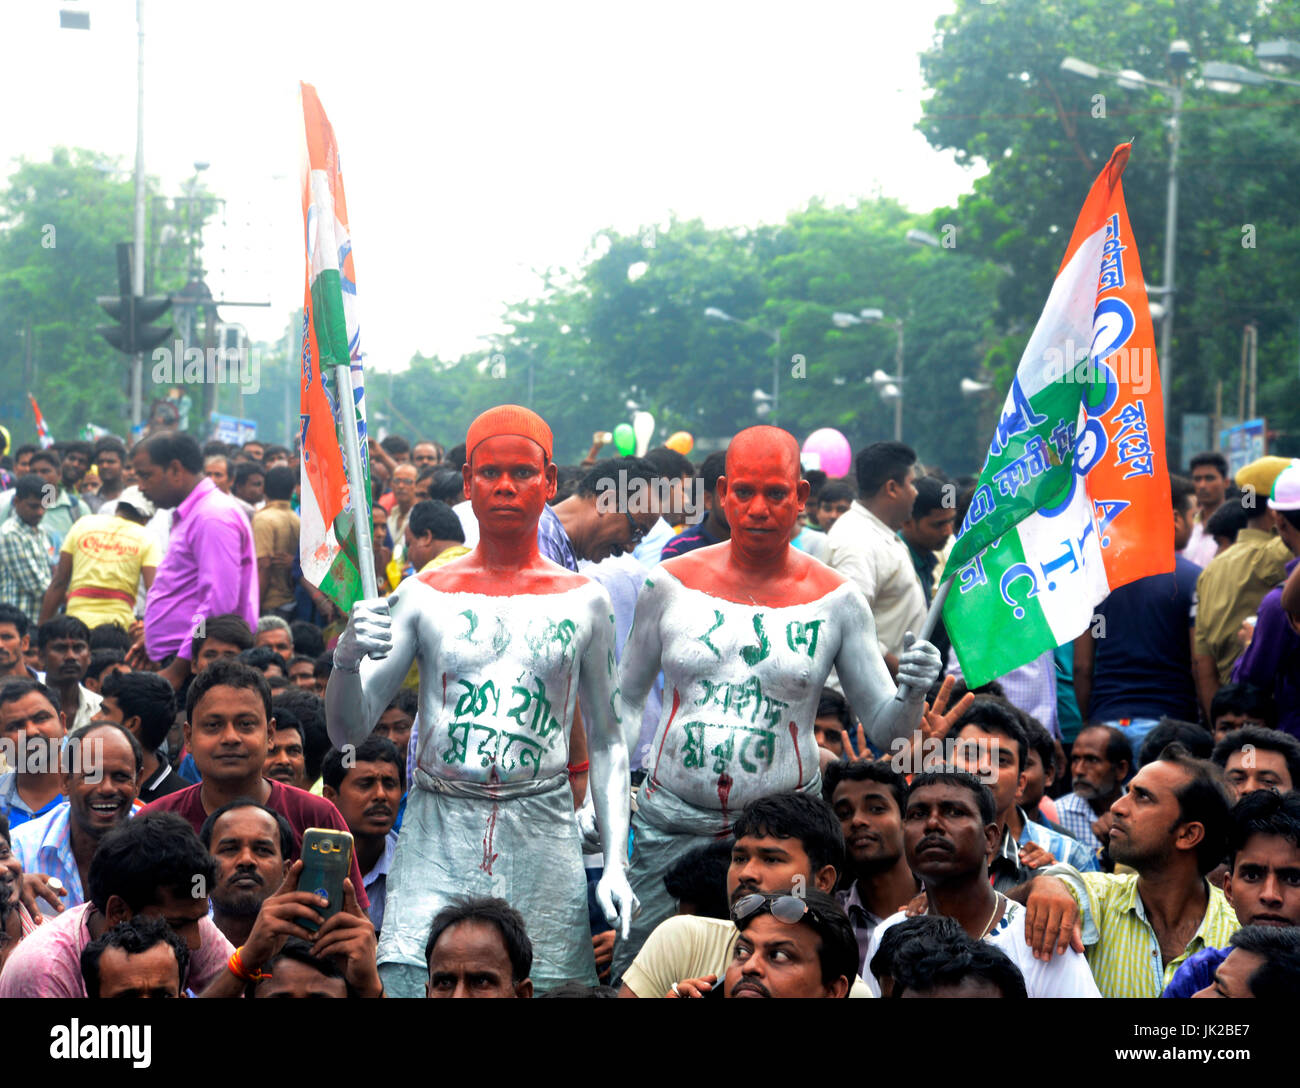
column 499, row 679
column 741, row 687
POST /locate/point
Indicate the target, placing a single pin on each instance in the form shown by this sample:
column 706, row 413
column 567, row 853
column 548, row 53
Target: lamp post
column 1180, row 61
column 891, row 386
column 772, row 334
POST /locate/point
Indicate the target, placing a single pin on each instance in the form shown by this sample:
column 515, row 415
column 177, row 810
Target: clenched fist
column 369, row 633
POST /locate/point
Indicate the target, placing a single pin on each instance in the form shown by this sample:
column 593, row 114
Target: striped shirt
column 1061, row 847
column 44, row 845
column 1075, row 815
column 25, row 558
column 1121, row 945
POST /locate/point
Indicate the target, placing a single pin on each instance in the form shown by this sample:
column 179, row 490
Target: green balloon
column 624, row 439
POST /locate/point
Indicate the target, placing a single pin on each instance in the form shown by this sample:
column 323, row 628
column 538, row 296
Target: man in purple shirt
column 211, row 564
column 1272, row 660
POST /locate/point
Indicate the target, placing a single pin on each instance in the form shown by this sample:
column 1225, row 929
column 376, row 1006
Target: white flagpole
column 361, row 518
column 927, row 628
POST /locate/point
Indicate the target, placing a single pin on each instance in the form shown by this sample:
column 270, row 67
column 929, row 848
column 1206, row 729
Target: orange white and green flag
column 1073, row 500
column 330, row 336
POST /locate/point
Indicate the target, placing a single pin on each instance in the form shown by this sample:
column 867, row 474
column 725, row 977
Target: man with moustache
column 787, row 946
column 746, row 633
column 949, row 830
column 251, row 845
column 1170, row 830
column 1101, row 760
column 100, row 764
column 367, row 790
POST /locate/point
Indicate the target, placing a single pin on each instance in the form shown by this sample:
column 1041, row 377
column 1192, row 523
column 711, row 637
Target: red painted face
column 762, row 493
column 508, row 482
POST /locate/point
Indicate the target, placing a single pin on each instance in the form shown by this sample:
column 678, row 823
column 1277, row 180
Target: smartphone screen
column 326, row 860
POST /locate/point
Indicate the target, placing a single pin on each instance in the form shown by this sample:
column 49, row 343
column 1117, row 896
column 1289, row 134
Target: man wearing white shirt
column 865, row 547
column 949, row 830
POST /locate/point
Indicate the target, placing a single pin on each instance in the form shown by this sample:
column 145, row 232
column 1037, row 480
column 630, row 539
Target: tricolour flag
column 1073, row 500
column 330, row 335
column 42, row 432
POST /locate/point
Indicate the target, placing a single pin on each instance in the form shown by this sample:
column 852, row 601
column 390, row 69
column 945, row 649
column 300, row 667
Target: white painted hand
column 369, row 633
column 918, row 665
column 614, row 894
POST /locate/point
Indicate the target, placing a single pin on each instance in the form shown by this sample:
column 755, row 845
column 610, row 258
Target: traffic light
column 134, row 314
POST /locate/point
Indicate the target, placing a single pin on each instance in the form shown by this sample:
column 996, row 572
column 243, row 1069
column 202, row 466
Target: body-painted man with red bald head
column 746, row 632
column 506, row 642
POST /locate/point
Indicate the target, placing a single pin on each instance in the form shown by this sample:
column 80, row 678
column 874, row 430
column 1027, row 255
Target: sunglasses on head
column 789, row 909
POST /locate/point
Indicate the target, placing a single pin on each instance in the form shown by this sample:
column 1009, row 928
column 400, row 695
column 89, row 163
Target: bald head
column 770, row 444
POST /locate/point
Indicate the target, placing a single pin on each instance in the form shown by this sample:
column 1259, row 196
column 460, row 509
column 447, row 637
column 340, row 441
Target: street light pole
column 902, row 386
column 775, row 336
column 137, row 285
column 1171, row 230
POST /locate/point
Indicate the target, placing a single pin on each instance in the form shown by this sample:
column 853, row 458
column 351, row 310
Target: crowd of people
column 180, row 706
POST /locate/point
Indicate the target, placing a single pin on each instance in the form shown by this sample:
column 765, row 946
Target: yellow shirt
column 108, row 554
column 1229, row 591
column 1121, row 945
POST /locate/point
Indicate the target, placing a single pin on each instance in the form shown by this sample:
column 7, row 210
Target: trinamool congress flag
column 330, row 335
column 42, row 432
column 1073, row 500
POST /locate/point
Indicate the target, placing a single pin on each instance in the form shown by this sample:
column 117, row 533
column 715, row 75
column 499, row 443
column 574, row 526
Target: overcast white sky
column 481, row 141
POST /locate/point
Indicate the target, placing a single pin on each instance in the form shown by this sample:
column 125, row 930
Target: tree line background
column 628, row 324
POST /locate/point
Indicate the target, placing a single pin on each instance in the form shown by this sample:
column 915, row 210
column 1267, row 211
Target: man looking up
column 780, row 953
column 517, row 640
column 992, row 744
column 866, row 550
column 32, row 722
column 139, row 958
column 251, row 846
column 367, row 790
column 144, row 704
column 227, row 730
column 927, row 529
column 210, row 567
column 1170, row 829
column 478, row 947
column 868, row 799
column 1100, row 762
column 948, row 834
column 1263, row 881
column 1210, row 478
column 746, row 633
column 713, row 529
column 100, row 764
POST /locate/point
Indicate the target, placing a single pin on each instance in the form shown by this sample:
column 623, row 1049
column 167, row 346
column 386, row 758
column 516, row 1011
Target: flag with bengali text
column 42, row 432
column 330, row 336
column 1073, row 500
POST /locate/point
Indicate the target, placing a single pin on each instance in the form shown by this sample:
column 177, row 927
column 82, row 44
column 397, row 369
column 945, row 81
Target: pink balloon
column 833, row 449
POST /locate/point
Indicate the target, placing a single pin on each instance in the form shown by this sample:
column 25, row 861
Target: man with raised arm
column 506, row 642
column 746, row 632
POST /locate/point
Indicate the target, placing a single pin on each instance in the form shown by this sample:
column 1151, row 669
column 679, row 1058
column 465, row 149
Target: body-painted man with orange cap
column 506, row 643
column 746, row 632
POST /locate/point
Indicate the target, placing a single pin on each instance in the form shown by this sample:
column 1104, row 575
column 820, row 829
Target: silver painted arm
column 641, row 653
column 371, row 659
column 866, row 680
column 609, row 782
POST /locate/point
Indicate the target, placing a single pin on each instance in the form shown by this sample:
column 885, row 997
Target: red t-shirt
column 300, row 808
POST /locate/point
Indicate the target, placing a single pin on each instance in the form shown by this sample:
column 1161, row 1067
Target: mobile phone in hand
column 326, row 861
